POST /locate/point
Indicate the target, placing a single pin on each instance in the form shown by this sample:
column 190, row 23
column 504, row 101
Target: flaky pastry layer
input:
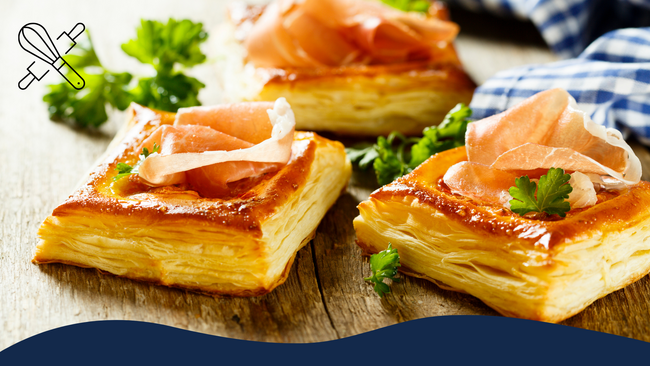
column 242, row 245
column 352, row 100
column 540, row 270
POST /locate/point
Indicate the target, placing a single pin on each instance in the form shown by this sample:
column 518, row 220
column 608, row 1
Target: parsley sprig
column 396, row 155
column 409, row 5
column 124, row 170
column 383, row 265
column 548, row 198
column 167, row 47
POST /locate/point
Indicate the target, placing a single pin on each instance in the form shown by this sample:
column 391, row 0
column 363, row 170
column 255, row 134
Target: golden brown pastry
column 450, row 222
column 241, row 242
column 347, row 66
column 540, row 270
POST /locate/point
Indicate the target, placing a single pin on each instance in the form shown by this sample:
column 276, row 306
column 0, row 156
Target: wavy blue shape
column 441, row 340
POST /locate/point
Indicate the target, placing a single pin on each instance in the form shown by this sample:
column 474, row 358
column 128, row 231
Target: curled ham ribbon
column 209, row 147
column 542, row 132
column 313, row 33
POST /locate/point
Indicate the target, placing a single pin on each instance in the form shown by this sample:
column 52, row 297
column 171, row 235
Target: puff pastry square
column 358, row 100
column 239, row 245
column 526, row 268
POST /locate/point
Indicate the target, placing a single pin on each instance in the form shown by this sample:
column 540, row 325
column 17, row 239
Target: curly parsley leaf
column 409, row 5
column 383, row 265
column 163, row 45
column 87, row 107
column 549, row 197
column 124, row 170
column 397, row 155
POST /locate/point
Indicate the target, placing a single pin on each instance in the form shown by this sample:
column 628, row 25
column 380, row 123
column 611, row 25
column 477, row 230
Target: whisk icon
column 34, row 39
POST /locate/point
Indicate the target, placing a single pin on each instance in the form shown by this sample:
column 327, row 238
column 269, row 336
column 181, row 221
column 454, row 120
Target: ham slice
column 209, row 147
column 231, row 119
column 320, row 44
column 269, row 44
column 544, row 131
column 531, row 156
column 317, row 33
column 480, row 182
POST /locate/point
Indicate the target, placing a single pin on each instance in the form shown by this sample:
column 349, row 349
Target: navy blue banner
column 438, row 340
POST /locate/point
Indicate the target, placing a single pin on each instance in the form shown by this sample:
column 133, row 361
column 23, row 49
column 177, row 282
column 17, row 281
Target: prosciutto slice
column 480, row 182
column 209, row 147
column 316, row 33
column 544, row 131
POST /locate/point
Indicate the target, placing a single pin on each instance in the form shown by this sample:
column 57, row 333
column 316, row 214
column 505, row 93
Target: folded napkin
column 610, row 80
column 569, row 26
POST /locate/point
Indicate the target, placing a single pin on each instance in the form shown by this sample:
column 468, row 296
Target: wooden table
column 324, row 297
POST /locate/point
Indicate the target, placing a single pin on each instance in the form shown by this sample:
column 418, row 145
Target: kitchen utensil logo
column 34, row 39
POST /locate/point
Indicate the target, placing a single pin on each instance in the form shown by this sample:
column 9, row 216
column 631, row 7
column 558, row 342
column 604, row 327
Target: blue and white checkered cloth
column 569, row 26
column 610, row 79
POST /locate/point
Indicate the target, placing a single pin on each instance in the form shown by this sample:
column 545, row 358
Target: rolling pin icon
column 34, row 39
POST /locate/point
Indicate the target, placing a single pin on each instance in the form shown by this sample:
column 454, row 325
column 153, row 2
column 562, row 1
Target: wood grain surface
column 324, row 297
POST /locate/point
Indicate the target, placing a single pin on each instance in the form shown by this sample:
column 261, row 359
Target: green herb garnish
column 409, row 5
column 164, row 46
column 549, row 197
column 167, row 47
column 383, row 265
column 448, row 135
column 146, row 152
column 124, row 170
column 392, row 161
